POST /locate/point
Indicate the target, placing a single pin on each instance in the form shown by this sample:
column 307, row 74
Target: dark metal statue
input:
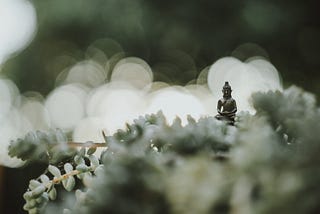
column 226, row 106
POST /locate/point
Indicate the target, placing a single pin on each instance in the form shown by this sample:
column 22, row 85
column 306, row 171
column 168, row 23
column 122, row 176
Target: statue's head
column 226, row 90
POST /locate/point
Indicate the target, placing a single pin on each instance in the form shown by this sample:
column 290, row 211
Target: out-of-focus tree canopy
column 188, row 34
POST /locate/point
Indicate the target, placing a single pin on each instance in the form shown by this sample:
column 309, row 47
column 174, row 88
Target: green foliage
column 153, row 133
column 133, row 184
column 270, row 163
column 44, row 188
column 289, row 112
column 42, row 146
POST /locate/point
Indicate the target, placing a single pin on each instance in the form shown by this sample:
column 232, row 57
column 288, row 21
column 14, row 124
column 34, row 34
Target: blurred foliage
column 265, row 163
column 48, row 147
column 178, row 38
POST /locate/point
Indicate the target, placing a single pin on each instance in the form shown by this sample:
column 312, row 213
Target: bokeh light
column 116, row 105
column 175, row 102
column 8, row 95
column 17, row 26
column 66, row 105
column 89, row 129
column 134, row 71
column 33, row 109
column 88, row 73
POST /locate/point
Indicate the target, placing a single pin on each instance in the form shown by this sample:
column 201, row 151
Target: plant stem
column 65, row 176
column 87, row 144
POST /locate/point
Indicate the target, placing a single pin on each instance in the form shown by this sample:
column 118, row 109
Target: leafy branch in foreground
column 43, row 189
column 50, row 147
column 46, row 146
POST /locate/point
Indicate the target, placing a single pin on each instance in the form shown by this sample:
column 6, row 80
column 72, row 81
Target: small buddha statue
column 226, row 106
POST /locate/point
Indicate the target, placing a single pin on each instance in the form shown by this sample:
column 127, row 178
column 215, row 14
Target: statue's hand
column 227, row 113
column 224, row 113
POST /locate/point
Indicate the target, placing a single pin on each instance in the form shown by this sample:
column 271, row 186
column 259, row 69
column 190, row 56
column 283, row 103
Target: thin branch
column 87, row 144
column 65, row 176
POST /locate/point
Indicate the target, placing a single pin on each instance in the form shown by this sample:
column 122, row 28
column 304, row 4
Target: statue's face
column 226, row 92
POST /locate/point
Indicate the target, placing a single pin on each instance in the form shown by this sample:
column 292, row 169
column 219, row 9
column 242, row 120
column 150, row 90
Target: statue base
column 228, row 120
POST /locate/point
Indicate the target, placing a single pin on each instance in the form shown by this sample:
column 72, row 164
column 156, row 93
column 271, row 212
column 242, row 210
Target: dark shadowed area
column 164, row 32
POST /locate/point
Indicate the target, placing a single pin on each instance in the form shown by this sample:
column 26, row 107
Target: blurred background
column 178, row 39
column 162, row 32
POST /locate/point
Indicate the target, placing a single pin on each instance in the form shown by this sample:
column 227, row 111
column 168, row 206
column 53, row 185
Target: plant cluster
column 46, row 146
column 266, row 163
